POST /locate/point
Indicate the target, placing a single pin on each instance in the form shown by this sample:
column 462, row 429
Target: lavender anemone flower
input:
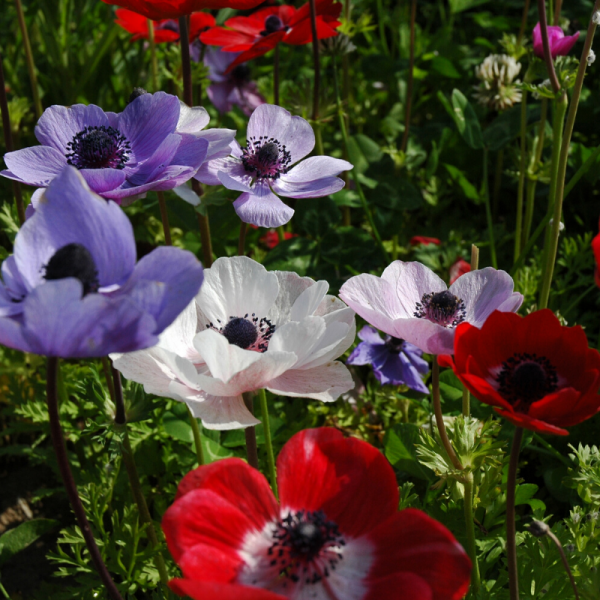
column 121, row 156
column 394, row 361
column 409, row 301
column 232, row 88
column 72, row 288
column 276, row 141
column 560, row 44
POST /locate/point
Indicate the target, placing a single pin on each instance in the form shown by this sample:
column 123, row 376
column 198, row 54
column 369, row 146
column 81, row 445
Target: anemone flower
column 248, row 329
column 121, row 156
column 409, row 301
column 72, row 288
column 538, row 374
column 560, row 44
column 335, row 533
column 260, row 32
column 276, row 141
column 459, row 268
column 596, row 250
column 394, row 361
column 233, row 87
column 423, row 240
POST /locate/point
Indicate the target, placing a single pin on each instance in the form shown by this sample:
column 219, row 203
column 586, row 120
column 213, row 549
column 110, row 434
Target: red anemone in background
column 460, row 267
column 537, row 373
column 337, row 532
column 165, row 30
column 596, row 249
column 418, row 240
column 260, row 32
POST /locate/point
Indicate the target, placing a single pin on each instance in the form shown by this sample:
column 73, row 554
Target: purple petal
column 219, row 142
column 191, row 120
column 208, row 172
column 249, row 97
column 411, row 281
column 192, row 152
column 13, row 291
column 59, row 124
column 161, row 157
column 370, row 335
column 298, row 138
column 309, row 189
column 36, row 166
column 163, row 283
column 316, row 167
column 218, row 94
column 411, row 376
column 35, row 199
column 262, row 208
column 235, row 176
column 169, row 178
column 268, row 120
column 147, row 121
column 563, row 46
column 368, row 354
column 426, row 335
column 103, row 180
column 68, row 213
column 414, row 355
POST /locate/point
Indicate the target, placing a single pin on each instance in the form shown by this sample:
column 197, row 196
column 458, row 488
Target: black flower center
column 394, row 344
column 272, row 24
column 526, row 378
column 443, row 308
column 241, row 74
column 266, row 157
column 302, row 538
column 248, row 333
column 98, row 147
column 74, row 260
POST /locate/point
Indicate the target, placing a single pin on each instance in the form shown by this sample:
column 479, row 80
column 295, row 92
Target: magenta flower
column 276, row 141
column 560, row 44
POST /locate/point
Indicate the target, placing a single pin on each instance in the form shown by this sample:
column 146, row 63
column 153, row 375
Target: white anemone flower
column 248, row 329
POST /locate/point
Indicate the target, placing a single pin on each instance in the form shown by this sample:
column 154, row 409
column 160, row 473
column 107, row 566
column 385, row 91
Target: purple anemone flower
column 121, row 156
column 410, row 302
column 394, row 361
column 276, row 142
column 232, row 88
column 72, row 288
column 560, row 44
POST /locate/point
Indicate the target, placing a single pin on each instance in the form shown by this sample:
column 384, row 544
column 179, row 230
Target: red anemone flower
column 596, row 249
column 460, row 267
column 165, row 30
column 255, row 35
column 271, row 238
column 417, row 240
column 336, row 533
column 537, row 373
column 173, row 9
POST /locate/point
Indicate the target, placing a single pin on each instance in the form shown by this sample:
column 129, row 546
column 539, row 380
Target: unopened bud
column 538, row 529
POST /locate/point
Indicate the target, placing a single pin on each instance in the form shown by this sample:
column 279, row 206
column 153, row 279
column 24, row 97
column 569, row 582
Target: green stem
column 37, row 103
column 470, row 527
column 497, row 183
column 242, row 239
column 380, row 16
column 488, row 209
column 540, row 440
column 250, row 433
column 511, row 540
column 281, row 233
column 262, row 396
column 359, row 190
column 153, row 61
column 522, row 174
column 536, row 234
column 276, row 76
column 523, row 22
column 466, row 397
column 317, row 78
column 197, row 438
column 411, row 76
column 164, row 217
column 4, row 592
column 583, row 169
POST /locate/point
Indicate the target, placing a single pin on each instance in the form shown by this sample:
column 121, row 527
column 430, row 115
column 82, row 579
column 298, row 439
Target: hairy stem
column 511, row 540
column 470, row 530
column 262, row 395
column 522, row 174
column 153, row 61
column 250, row 433
column 411, row 77
column 197, row 437
column 546, row 44
column 488, row 209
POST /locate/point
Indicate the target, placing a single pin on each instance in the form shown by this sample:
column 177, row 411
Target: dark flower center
column 247, row 333
column 272, row 24
column 74, row 260
column 98, row 147
column 136, row 93
column 394, row 344
column 241, row 74
column 306, row 537
column 169, row 26
column 526, row 378
column 443, row 308
column 266, row 157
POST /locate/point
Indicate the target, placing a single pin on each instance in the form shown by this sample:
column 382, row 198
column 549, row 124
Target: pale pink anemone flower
column 248, row 329
column 410, row 302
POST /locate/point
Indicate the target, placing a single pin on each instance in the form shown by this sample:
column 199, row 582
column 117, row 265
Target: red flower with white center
column 337, row 533
column 260, row 32
column 537, row 373
column 165, row 30
column 596, row 249
column 423, row 240
column 460, row 267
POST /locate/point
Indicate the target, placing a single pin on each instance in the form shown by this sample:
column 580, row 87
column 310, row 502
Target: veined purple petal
column 191, row 119
column 371, row 336
column 192, row 151
column 262, row 208
column 368, row 354
column 103, row 180
column 150, row 168
column 36, row 166
column 316, row 167
column 237, row 182
column 219, row 141
column 308, row 189
column 412, row 280
column 269, row 120
column 411, row 376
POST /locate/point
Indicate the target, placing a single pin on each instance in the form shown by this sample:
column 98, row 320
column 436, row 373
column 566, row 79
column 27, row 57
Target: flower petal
column 37, row 166
column 309, row 189
column 191, row 119
column 205, row 590
column 262, row 208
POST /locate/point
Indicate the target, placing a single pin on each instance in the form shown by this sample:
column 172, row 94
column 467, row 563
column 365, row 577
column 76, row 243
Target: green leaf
column 399, row 449
column 363, row 151
column 444, row 67
column 178, row 427
column 451, row 388
column 467, row 187
column 457, row 6
column 466, row 120
column 17, row 539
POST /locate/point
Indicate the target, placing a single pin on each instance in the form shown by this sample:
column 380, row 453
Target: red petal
column 200, row 21
column 261, row 47
column 217, row 591
column 399, row 586
column 173, row 9
column 522, row 420
column 219, row 36
column 322, row 7
column 131, row 21
column 413, row 542
column 251, row 25
column 484, row 392
column 350, row 480
column 302, row 32
column 208, row 563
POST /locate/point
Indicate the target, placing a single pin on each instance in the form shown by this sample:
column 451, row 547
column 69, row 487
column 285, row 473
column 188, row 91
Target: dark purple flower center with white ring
column 443, row 308
column 394, row 344
column 266, row 157
column 526, row 378
column 73, row 260
column 98, row 147
column 306, row 546
column 248, row 333
column 273, row 24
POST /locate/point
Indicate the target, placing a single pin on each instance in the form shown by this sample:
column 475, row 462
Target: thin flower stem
column 8, row 143
column 106, row 368
column 197, row 438
column 204, row 225
column 4, row 592
column 546, row 45
column 565, row 562
column 276, row 76
column 585, row 167
column 557, row 9
column 281, row 233
column 497, row 182
column 317, row 79
column 439, row 417
column 540, row 440
column 522, row 174
column 523, row 22
column 37, row 103
column 120, row 412
column 470, row 530
column 164, row 217
column 264, row 409
column 411, row 77
column 153, row 61
column 530, row 243
column 242, row 239
column 466, row 397
column 488, row 209
column 250, row 433
column 380, row 16
column 564, row 157
column 511, row 540
column 359, row 189
column 60, row 450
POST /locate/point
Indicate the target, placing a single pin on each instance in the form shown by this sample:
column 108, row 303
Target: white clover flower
column 596, row 18
column 591, row 57
column 497, row 89
column 248, row 329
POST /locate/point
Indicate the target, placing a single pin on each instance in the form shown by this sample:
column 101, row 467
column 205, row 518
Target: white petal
column 179, row 336
column 299, row 337
column 326, row 349
column 191, row 119
column 291, row 285
column 412, row 280
column 308, row 301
